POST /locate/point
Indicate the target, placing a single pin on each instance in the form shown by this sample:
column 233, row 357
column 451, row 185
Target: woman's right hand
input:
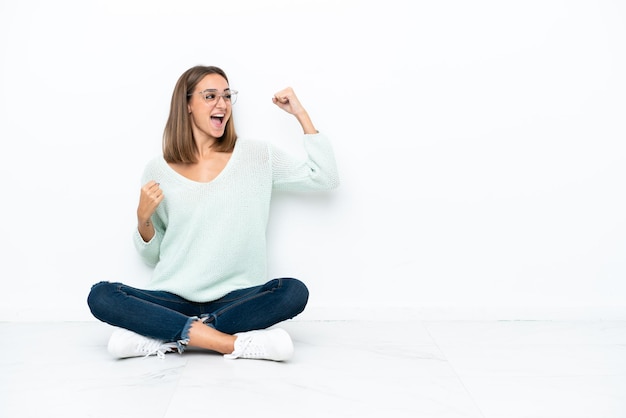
column 149, row 199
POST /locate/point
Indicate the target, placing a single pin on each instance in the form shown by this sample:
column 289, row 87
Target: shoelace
column 150, row 347
column 241, row 348
column 252, row 349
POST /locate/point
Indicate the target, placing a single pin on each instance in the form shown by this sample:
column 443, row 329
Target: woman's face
column 208, row 108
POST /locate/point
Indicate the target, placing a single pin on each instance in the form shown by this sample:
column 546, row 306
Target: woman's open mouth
column 217, row 120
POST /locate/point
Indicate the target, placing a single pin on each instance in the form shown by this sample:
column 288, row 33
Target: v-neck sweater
column 210, row 237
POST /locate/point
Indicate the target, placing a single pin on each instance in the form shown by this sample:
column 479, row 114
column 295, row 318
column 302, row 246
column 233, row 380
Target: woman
column 202, row 217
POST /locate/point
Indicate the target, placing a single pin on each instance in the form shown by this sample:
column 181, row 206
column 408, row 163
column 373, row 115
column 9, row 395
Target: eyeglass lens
column 211, row 96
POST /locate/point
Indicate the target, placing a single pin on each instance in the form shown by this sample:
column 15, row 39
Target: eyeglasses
column 211, row 96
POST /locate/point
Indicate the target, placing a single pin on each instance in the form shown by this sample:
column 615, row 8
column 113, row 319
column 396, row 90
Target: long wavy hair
column 178, row 142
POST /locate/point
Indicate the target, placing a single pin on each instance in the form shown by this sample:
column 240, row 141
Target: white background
column 481, row 147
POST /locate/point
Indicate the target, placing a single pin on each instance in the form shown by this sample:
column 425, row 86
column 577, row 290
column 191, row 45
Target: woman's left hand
column 286, row 99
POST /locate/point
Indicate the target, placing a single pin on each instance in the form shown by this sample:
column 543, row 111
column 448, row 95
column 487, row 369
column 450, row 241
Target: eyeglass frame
column 223, row 95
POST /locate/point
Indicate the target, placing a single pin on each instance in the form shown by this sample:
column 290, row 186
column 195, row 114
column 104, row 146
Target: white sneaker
column 124, row 343
column 272, row 344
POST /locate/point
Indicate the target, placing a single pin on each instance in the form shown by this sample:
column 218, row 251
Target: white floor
column 341, row 369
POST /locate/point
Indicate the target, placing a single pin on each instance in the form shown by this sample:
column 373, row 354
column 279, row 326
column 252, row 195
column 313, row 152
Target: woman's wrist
column 306, row 123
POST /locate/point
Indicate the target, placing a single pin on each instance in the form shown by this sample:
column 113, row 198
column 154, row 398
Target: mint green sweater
column 211, row 237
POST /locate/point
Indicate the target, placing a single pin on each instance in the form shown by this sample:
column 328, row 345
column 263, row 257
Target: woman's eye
column 209, row 96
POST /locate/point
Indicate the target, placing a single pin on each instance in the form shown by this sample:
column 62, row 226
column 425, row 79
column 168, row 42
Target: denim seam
column 244, row 300
column 153, row 296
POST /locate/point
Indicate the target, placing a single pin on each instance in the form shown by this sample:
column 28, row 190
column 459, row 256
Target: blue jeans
column 166, row 316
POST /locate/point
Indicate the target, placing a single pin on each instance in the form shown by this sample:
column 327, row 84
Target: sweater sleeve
column 149, row 251
column 316, row 171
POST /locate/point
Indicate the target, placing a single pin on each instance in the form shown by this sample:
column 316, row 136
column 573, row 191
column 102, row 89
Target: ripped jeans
column 168, row 317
